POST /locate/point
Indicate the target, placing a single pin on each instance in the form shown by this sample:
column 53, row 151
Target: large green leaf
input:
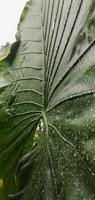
column 51, row 87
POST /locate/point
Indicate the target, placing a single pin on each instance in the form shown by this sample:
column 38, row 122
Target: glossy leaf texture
column 51, row 85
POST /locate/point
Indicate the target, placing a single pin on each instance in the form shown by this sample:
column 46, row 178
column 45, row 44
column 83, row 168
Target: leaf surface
column 52, row 88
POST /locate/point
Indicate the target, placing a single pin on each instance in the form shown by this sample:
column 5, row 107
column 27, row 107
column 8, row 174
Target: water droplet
column 85, row 80
column 76, row 138
column 57, row 117
column 75, row 154
column 62, row 173
column 58, row 112
column 53, row 26
column 87, row 157
column 93, row 174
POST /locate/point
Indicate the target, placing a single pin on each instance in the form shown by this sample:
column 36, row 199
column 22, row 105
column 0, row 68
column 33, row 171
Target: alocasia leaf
column 51, row 88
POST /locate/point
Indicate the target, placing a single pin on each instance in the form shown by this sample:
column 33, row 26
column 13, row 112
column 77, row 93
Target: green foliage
column 47, row 104
column 5, row 53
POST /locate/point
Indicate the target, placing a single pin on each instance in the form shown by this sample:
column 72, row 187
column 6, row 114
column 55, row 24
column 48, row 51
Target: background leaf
column 21, row 104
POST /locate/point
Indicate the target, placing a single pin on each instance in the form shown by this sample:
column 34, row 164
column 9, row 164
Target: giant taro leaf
column 50, row 85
